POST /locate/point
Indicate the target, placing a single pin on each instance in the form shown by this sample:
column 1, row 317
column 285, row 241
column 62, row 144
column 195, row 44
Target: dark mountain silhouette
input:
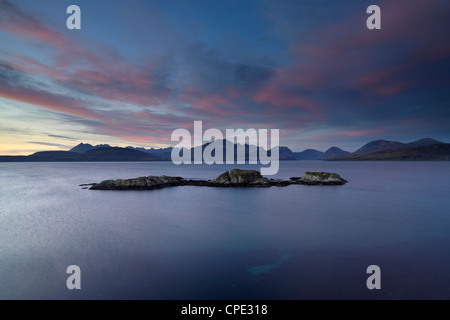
column 284, row 152
column 54, row 156
column 151, row 150
column 333, row 152
column 423, row 143
column 97, row 154
column 423, row 149
column 83, row 147
column 379, row 145
column 117, row 154
column 435, row 152
column 249, row 151
column 308, row 154
column 44, row 156
column 163, row 154
column 287, row 154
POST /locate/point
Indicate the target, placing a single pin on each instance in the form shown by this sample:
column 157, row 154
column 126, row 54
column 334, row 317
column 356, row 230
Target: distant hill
column 423, row 143
column 422, row 149
column 435, row 152
column 382, row 145
column 287, row 154
column 152, row 150
column 97, row 154
column 249, row 151
column 44, row 156
column 308, row 154
column 84, row 147
column 284, row 152
column 117, row 154
column 54, row 156
column 163, row 154
column 379, row 145
column 333, row 152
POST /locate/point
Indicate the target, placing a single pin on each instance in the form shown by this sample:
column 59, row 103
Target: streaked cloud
column 48, row 144
column 60, row 137
column 311, row 69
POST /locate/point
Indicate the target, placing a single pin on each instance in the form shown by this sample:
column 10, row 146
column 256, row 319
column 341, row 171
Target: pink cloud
column 275, row 95
column 31, row 66
column 49, row 101
column 349, row 56
column 361, row 133
column 107, row 75
column 337, row 57
column 21, row 24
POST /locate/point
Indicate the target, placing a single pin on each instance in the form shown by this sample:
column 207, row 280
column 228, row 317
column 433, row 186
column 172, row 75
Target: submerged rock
column 233, row 178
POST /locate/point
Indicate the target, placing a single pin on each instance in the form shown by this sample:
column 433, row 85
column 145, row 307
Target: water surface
column 297, row 242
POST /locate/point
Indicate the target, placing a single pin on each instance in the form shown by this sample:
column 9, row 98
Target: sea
column 188, row 243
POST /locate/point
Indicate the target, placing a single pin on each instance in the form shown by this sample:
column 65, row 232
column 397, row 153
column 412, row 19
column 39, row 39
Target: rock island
column 234, row 178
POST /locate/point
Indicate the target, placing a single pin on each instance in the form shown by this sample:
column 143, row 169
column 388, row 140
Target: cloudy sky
column 137, row 70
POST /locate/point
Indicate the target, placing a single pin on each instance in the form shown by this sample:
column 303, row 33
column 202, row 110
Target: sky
column 137, row 70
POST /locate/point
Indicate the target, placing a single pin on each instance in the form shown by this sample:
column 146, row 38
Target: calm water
column 297, row 242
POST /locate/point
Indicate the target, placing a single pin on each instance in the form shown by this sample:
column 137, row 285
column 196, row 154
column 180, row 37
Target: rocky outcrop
column 142, row 183
column 234, row 178
column 242, row 178
column 321, row 178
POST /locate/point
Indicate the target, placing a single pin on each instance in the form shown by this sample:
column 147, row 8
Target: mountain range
column 423, row 149
column 408, row 152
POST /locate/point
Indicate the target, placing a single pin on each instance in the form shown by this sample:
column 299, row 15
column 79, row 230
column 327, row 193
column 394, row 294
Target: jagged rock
column 322, row 178
column 239, row 177
column 234, row 178
column 141, row 183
